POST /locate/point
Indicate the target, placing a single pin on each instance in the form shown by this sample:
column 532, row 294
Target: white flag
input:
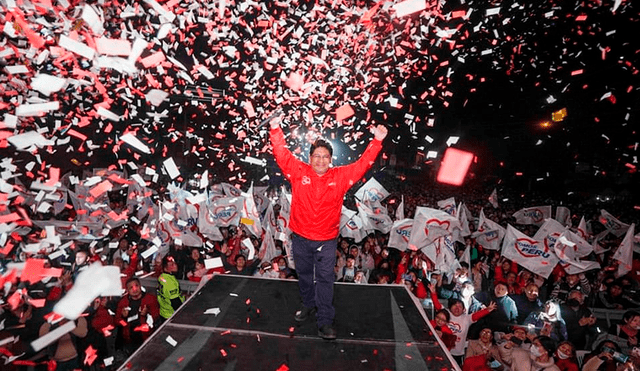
column 464, row 216
column 582, row 229
column 612, row 224
column 226, row 211
column 400, row 210
column 489, row 234
column 549, row 232
column 566, row 251
column 493, row 198
column 269, row 220
column 378, row 221
column 269, row 245
column 563, row 215
column 429, row 225
column 400, row 234
column 250, row 215
column 624, row 254
column 528, row 253
column 448, row 206
column 351, row 225
column 533, row 215
column 372, row 190
column 260, row 198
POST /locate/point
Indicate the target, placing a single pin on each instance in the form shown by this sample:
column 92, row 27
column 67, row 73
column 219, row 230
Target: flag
column 400, row 209
column 549, row 232
column 250, row 215
column 612, row 224
column 563, row 215
column 207, row 224
column 372, row 190
column 566, row 251
column 533, row 215
column 400, row 234
column 466, row 256
column 624, row 254
column 261, row 199
column 269, row 246
column 448, row 206
column 372, row 220
column 489, row 234
column 230, row 191
column 285, row 211
column 597, row 247
column 528, row 253
column 493, row 198
column 351, row 225
column 269, row 220
column 463, row 216
column 226, row 211
column 582, row 229
column 429, row 225
column 442, row 253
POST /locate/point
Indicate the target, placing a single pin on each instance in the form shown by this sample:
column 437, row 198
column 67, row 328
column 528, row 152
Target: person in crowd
column 548, row 322
column 317, row 192
column 502, row 268
column 479, row 271
column 137, row 315
column 614, row 298
column 601, row 358
column 527, row 302
column 484, row 347
column 580, row 322
column 625, row 333
column 506, row 312
column 197, row 272
column 539, row 357
column 241, row 268
column 466, row 295
column 566, row 357
column 64, row 351
column 460, row 322
column 80, row 263
column 283, row 266
column 348, row 272
column 170, row 298
column 440, row 323
column 360, row 277
column 513, row 286
column 568, row 283
column 266, row 271
column 121, row 250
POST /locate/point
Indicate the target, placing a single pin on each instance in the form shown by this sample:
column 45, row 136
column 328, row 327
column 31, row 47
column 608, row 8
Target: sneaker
column 304, row 313
column 327, row 332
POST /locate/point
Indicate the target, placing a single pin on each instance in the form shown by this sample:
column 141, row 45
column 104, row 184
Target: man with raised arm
column 317, row 191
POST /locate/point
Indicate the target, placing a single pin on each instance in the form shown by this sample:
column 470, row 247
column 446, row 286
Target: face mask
column 535, row 351
column 282, row 267
column 467, row 293
column 562, row 355
column 573, row 303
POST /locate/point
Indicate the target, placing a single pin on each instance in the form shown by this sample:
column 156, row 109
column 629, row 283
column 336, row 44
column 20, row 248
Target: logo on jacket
column 306, row 180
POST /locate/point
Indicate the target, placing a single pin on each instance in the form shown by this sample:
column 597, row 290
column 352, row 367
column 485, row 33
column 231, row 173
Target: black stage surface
column 379, row 328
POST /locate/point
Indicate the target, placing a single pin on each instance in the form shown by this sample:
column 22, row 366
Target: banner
column 226, row 211
column 400, row 234
column 612, row 224
column 429, row 225
column 351, row 225
column 528, row 253
column 372, row 190
column 533, row 215
column 463, row 216
column 250, row 214
column 582, row 229
column 261, row 199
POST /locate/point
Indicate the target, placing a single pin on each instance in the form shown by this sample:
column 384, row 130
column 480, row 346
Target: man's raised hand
column 379, row 132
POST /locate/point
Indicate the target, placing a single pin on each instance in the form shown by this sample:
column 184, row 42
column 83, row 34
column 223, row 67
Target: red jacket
column 153, row 308
column 316, row 203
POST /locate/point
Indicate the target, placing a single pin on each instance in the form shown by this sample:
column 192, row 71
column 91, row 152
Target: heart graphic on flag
column 225, row 213
column 435, row 222
column 529, row 248
column 405, row 232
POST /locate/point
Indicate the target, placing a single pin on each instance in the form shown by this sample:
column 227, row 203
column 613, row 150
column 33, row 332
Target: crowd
column 497, row 314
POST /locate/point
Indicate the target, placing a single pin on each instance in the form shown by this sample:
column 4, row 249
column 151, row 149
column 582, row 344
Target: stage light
column 545, row 124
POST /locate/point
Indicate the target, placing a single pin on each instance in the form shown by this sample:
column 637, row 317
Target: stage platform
column 380, row 327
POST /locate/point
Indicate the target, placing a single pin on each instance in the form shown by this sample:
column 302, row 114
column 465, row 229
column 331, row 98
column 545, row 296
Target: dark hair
column 349, row 256
column 320, row 142
column 598, row 348
column 132, row 279
column 548, row 344
column 628, row 315
column 453, row 302
column 445, row 312
column 166, row 259
column 464, row 265
column 240, row 256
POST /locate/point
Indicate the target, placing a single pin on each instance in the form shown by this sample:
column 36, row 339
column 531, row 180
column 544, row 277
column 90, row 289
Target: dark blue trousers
column 315, row 262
